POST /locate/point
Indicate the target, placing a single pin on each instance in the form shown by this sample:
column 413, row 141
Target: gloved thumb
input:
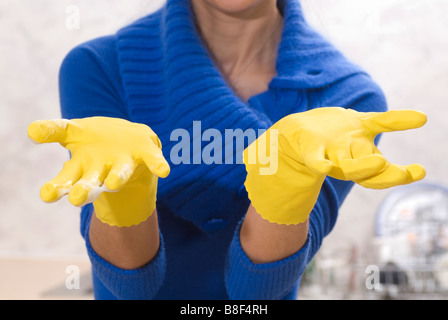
column 48, row 131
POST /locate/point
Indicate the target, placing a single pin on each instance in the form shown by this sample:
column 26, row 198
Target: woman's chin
column 234, row 6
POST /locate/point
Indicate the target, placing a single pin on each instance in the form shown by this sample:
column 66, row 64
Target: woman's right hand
column 115, row 164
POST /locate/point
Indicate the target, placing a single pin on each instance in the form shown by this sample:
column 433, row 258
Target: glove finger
column 394, row 120
column 361, row 168
column 48, row 131
column 394, row 175
column 360, row 148
column 155, row 161
column 120, row 173
column 315, row 159
column 60, row 186
column 89, row 187
column 366, row 160
column 356, row 161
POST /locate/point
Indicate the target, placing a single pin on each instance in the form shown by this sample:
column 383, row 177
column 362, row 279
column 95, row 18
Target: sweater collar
column 305, row 58
column 165, row 43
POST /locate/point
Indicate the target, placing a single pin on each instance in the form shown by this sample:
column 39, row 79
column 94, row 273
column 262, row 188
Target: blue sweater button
column 214, row 224
column 314, row 72
column 242, row 192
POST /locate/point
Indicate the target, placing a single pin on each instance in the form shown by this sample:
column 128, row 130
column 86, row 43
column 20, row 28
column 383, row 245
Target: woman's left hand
column 322, row 142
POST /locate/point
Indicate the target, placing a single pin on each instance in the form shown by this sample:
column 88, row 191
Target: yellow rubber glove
column 322, row 142
column 114, row 163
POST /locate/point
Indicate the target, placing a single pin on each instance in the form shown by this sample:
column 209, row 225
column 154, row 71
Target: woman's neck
column 236, row 39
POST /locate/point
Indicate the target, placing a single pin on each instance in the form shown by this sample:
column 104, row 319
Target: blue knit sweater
column 157, row 71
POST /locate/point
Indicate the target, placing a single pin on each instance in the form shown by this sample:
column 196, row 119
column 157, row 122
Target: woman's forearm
column 127, row 247
column 265, row 242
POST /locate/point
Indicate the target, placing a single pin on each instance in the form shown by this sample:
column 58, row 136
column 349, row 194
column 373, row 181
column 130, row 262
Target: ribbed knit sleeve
column 90, row 86
column 246, row 280
column 137, row 284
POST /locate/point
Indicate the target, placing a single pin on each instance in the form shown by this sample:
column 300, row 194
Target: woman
column 159, row 228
